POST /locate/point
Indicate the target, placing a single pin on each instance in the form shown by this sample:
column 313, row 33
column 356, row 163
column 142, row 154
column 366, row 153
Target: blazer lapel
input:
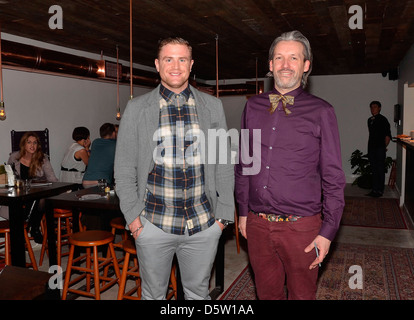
column 203, row 112
column 204, row 119
column 152, row 113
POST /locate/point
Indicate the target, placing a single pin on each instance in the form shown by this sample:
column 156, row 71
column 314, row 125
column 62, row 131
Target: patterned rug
column 373, row 212
column 387, row 274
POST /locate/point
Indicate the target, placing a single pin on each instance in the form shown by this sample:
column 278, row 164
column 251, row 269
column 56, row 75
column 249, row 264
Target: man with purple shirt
column 293, row 203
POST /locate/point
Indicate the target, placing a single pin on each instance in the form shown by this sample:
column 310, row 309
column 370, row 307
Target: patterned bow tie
column 274, row 100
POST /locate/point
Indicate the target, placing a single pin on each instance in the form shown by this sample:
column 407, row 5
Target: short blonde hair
column 173, row 40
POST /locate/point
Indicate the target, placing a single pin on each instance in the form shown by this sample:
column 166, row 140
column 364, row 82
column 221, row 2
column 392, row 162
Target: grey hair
column 307, row 52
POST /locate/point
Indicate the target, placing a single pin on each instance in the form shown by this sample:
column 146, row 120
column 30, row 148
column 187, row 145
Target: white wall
column 37, row 101
column 408, row 121
column 350, row 95
column 406, row 84
column 406, row 76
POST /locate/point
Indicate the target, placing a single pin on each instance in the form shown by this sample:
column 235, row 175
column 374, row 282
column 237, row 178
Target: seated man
column 101, row 160
column 100, row 166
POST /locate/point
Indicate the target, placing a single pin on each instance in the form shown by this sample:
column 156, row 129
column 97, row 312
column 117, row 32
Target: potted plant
column 360, row 162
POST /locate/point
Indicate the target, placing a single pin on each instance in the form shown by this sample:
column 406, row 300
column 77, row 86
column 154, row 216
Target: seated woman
column 31, row 163
column 76, row 157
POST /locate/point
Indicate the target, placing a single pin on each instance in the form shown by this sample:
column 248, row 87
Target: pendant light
column 217, row 64
column 118, row 111
column 2, row 111
column 130, row 46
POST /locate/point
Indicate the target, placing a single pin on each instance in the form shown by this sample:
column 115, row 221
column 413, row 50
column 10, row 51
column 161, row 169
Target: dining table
column 17, row 198
column 107, row 203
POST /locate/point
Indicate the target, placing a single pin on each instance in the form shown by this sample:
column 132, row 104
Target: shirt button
column 267, row 167
column 273, row 128
column 185, row 208
column 265, row 187
column 270, row 148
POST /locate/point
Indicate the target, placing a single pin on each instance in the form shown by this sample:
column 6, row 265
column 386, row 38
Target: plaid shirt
column 175, row 197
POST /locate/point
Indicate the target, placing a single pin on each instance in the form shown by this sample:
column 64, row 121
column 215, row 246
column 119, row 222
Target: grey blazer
column 135, row 146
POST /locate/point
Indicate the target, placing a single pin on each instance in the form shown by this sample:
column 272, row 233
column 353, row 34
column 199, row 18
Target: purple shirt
column 300, row 168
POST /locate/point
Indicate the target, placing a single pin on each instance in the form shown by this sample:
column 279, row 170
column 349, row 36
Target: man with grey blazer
column 175, row 190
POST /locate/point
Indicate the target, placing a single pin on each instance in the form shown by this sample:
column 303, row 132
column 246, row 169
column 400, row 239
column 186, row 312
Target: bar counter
column 407, row 172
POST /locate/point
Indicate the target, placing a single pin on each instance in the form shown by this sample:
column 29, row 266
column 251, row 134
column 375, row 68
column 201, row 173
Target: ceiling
column 244, row 28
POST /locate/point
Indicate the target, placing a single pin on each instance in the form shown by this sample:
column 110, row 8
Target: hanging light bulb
column 130, row 51
column 118, row 111
column 2, row 111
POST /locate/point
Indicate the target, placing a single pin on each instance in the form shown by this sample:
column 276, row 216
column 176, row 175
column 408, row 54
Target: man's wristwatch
column 223, row 222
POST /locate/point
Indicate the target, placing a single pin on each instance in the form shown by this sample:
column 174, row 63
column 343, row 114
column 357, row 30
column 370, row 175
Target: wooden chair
column 90, row 240
column 5, row 229
column 43, row 136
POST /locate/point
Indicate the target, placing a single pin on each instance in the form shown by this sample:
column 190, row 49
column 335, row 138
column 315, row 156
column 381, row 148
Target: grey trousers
column 195, row 255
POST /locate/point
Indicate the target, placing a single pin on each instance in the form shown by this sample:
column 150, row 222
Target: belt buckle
column 271, row 217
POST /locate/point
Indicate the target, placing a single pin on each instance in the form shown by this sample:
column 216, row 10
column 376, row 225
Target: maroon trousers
column 277, row 256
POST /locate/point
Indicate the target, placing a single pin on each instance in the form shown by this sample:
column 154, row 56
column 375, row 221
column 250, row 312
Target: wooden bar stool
column 118, row 223
column 173, row 283
column 90, row 240
column 29, row 249
column 5, row 229
column 64, row 230
column 128, row 246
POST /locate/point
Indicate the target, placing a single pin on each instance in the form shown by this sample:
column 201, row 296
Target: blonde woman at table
column 31, row 163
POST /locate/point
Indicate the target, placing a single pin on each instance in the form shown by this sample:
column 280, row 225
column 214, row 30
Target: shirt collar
column 295, row 93
column 168, row 94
